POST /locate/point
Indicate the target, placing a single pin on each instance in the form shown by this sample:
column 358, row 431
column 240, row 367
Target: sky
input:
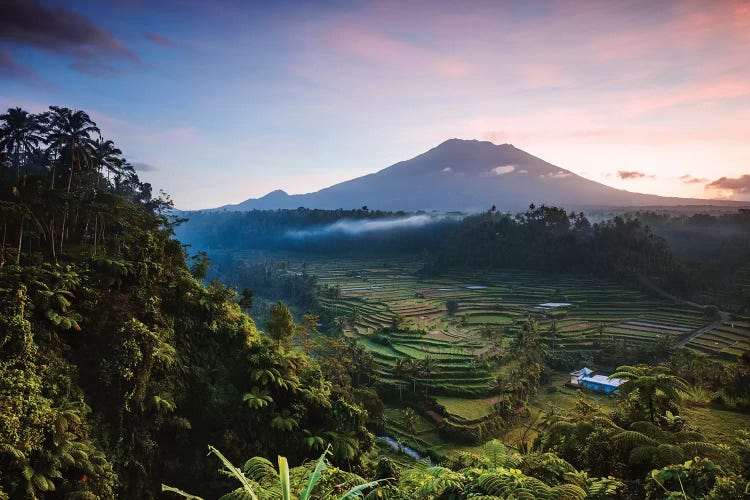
column 216, row 102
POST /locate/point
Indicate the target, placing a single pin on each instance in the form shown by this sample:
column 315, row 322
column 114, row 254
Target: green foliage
column 692, row 479
column 259, row 480
column 409, row 418
column 280, row 325
column 117, row 364
column 655, row 387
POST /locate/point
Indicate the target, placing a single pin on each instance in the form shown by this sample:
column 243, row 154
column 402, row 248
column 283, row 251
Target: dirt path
column 723, row 315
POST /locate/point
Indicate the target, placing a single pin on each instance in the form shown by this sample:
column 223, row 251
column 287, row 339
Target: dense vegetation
column 118, row 366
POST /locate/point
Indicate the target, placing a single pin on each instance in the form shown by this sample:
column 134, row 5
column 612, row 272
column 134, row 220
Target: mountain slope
column 464, row 175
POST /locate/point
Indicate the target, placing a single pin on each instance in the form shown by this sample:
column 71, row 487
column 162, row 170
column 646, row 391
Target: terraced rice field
column 378, row 293
column 730, row 339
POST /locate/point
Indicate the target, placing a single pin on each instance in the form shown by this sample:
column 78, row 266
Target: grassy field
column 378, row 293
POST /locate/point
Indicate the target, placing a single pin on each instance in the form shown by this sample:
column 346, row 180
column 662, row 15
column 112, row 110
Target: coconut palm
column 652, row 384
column 106, row 156
column 18, row 136
column 427, row 368
column 70, row 134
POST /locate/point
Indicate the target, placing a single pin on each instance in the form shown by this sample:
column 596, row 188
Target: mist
column 352, row 227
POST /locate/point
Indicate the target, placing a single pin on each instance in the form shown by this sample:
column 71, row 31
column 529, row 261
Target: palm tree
column 409, row 417
column 18, row 135
column 651, row 384
column 406, row 368
column 553, row 331
column 106, row 156
column 427, row 368
column 71, row 133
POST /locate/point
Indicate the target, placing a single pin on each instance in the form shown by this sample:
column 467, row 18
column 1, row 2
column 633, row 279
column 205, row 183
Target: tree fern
column 499, row 454
column 633, row 438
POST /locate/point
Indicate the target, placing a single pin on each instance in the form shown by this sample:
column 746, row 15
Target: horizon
column 252, row 98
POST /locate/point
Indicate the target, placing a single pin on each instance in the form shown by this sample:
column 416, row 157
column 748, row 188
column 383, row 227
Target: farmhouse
column 599, row 383
column 576, row 375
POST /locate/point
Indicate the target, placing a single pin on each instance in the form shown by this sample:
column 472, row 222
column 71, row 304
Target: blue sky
column 216, row 102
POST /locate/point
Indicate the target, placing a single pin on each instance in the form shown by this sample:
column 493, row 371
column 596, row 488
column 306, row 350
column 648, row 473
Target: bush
column 452, row 306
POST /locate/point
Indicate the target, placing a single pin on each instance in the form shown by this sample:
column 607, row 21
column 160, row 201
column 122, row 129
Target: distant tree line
column 551, row 239
column 64, row 187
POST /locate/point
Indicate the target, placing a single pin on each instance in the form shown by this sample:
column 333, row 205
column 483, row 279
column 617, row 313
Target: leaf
column 315, row 476
column 235, row 472
column 286, row 493
column 357, row 490
column 170, row 489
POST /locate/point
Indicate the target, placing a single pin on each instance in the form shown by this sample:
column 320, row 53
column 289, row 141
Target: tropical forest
column 374, row 250
column 132, row 368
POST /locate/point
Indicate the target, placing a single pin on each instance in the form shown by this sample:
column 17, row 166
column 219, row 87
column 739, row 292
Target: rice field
column 379, row 293
column 729, row 340
column 589, row 313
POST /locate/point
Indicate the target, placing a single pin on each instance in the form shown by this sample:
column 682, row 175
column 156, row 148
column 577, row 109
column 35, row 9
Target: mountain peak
column 456, row 142
column 460, row 174
column 276, row 193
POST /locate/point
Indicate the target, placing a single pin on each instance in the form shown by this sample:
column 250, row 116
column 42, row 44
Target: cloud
column 144, row 167
column 359, row 42
column 559, row 174
column 627, row 175
column 10, row 69
column 447, row 169
column 59, row 31
column 689, row 179
column 94, row 68
column 502, row 170
column 738, row 185
column 159, row 39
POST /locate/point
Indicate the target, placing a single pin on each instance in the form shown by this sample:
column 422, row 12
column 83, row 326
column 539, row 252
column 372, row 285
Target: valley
column 455, row 330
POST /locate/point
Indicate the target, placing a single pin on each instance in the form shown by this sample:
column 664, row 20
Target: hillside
column 466, row 175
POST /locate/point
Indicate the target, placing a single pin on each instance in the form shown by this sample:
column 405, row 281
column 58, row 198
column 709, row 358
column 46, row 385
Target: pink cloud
column 729, row 87
column 389, row 51
column 544, row 75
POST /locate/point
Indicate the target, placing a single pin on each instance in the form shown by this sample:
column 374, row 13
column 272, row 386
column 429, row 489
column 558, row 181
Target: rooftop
column 604, row 380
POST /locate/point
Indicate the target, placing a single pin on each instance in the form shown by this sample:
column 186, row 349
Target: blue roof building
column 599, row 383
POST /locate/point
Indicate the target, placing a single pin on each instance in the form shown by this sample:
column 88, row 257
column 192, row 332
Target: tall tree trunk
column 72, row 166
column 5, row 231
column 20, row 242
column 54, row 168
column 62, row 228
column 52, row 238
column 70, row 178
column 17, row 161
